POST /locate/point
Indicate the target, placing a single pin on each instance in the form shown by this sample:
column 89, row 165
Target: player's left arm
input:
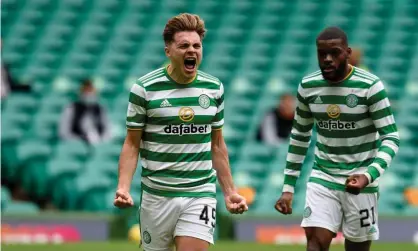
column 220, row 160
column 384, row 121
column 235, row 203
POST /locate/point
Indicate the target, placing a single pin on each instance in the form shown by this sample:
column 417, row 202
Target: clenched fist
column 236, row 204
column 123, row 199
column 284, row 204
column 355, row 183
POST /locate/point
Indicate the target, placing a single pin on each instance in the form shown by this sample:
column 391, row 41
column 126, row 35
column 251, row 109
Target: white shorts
column 164, row 218
column 355, row 215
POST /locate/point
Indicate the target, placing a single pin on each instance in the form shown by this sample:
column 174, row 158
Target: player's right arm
column 299, row 143
column 128, row 160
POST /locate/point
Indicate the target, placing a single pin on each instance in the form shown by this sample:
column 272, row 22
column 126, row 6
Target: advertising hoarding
column 57, row 228
column 287, row 230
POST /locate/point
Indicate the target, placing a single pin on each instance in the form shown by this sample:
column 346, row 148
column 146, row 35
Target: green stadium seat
column 87, row 188
column 99, row 202
column 391, row 200
column 265, row 201
column 46, row 125
column 405, row 158
column 61, row 174
column 5, row 197
column 411, row 211
column 55, row 103
column 258, row 152
column 20, row 120
column 32, row 174
column 107, row 151
column 9, row 156
column 245, row 179
column 233, row 137
column 63, row 168
column 21, row 207
column 73, row 149
column 32, row 149
column 388, row 181
column 274, row 180
column 253, row 168
column 106, row 167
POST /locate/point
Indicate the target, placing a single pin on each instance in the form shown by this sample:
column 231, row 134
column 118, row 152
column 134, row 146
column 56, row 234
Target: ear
column 349, row 51
column 167, row 50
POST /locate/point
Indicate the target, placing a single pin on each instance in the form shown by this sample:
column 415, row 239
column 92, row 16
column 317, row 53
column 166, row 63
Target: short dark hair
column 286, row 95
column 333, row 32
column 85, row 84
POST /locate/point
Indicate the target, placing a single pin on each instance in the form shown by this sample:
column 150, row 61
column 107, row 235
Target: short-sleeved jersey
column 356, row 131
column 177, row 121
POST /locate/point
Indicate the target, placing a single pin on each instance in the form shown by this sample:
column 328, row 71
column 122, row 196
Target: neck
column 347, row 72
column 348, row 69
column 177, row 75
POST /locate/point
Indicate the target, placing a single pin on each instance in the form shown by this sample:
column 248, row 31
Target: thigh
column 360, row 221
column 318, row 238
column 187, row 243
column 197, row 219
column 158, row 217
column 322, row 208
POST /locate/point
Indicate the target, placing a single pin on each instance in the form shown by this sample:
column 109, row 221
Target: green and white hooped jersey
column 177, row 121
column 355, row 127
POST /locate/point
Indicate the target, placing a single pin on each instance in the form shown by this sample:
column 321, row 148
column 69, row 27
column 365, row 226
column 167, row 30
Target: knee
column 357, row 246
column 315, row 244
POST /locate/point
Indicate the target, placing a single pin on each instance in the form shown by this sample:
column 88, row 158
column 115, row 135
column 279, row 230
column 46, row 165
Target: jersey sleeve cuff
column 130, row 127
column 134, row 125
column 288, row 189
column 369, row 177
column 373, row 173
column 216, row 127
column 134, row 129
column 290, row 180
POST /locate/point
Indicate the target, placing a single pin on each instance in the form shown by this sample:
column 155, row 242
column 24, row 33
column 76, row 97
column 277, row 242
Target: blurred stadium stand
column 259, row 49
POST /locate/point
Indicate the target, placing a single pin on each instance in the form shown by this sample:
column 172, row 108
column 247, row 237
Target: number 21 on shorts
column 204, row 216
column 364, row 213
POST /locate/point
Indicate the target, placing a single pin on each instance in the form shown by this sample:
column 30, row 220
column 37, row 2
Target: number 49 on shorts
column 204, row 215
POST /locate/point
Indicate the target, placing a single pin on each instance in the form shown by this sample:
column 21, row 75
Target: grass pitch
column 220, row 246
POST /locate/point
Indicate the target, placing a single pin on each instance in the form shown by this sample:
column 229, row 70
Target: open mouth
column 190, row 64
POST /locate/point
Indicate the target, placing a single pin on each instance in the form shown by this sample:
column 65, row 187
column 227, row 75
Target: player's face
column 185, row 52
column 333, row 57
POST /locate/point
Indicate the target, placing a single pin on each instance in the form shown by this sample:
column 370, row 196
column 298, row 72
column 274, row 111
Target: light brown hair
column 183, row 22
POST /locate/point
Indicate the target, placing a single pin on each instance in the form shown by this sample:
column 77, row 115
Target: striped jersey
column 177, row 121
column 356, row 130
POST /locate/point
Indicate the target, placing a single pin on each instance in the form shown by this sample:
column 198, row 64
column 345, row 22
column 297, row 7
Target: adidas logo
column 372, row 230
column 165, row 103
column 318, row 100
